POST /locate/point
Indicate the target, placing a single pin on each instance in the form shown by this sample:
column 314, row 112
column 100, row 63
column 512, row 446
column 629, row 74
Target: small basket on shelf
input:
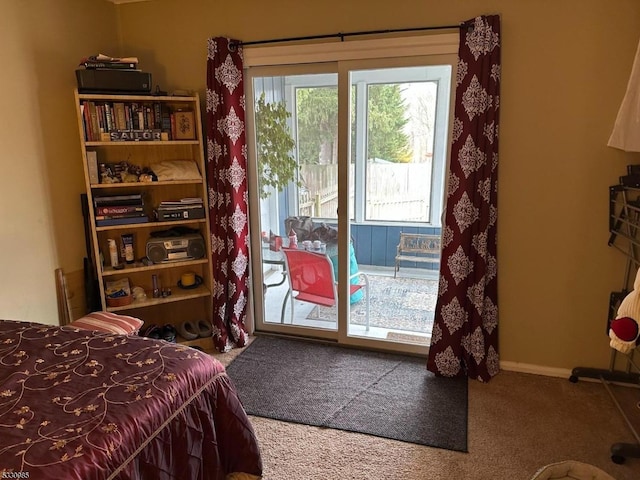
column 118, row 293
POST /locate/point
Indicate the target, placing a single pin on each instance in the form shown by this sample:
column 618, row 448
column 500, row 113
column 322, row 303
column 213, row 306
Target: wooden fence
column 394, row 191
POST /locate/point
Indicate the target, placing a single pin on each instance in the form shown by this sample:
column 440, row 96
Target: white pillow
column 108, row 322
column 176, row 170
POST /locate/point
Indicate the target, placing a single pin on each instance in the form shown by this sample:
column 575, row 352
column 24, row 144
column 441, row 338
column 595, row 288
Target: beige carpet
column 518, row 423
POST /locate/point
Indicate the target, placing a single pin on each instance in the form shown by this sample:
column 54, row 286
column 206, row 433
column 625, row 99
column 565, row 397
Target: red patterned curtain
column 227, row 182
column 464, row 340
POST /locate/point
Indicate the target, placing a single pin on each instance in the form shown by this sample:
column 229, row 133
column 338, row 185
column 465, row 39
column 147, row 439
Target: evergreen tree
column 317, row 114
column 385, row 133
column 317, row 110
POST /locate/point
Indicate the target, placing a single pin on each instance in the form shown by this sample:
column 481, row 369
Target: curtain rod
column 342, row 36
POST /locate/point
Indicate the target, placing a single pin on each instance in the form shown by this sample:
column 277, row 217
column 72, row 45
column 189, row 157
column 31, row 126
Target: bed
column 78, row 404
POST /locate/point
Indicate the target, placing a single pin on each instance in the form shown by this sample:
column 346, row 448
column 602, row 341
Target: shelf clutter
column 107, row 62
column 105, row 74
column 623, row 322
column 119, row 210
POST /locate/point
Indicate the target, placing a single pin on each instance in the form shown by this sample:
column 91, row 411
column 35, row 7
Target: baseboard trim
column 535, row 369
column 553, row 372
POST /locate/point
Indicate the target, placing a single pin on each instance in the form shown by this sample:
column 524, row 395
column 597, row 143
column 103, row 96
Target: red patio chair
column 311, row 280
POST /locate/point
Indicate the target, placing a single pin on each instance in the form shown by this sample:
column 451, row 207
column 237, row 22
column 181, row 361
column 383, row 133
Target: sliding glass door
column 344, row 156
column 397, row 160
column 295, row 129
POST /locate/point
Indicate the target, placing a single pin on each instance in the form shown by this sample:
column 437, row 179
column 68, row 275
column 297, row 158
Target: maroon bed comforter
column 88, row 405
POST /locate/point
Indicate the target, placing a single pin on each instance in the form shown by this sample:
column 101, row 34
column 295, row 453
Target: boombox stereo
column 175, row 249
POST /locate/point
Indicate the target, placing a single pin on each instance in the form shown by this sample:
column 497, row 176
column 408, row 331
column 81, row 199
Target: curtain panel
column 464, row 338
column 626, row 130
column 227, row 182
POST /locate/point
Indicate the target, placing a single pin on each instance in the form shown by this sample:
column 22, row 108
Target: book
column 128, row 117
column 120, row 215
column 109, row 222
column 141, row 122
column 118, row 200
column 148, row 121
column 106, row 58
column 95, row 123
column 135, row 117
column 183, row 209
column 157, row 115
column 182, row 202
column 184, row 126
column 92, row 166
column 89, row 65
column 166, row 121
column 90, row 121
column 118, row 210
column 182, row 206
column 121, row 118
column 184, row 213
column 108, row 117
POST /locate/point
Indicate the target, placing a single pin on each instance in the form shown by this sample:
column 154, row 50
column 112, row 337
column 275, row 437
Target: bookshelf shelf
column 143, row 143
column 111, row 186
column 156, row 225
column 138, row 98
column 100, row 116
column 176, row 296
column 110, row 271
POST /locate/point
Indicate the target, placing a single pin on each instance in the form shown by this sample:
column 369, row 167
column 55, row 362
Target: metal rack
column 624, row 228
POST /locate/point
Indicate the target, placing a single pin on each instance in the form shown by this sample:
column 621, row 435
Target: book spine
column 118, row 201
column 108, row 117
column 121, row 118
column 134, row 116
column 127, row 114
column 92, row 167
column 102, row 118
column 88, row 133
column 148, row 123
column 141, row 125
column 167, row 216
column 120, row 221
column 166, row 120
column 95, row 125
column 157, row 116
column 123, row 215
column 118, row 210
column 106, row 198
column 181, row 214
column 109, row 66
column 179, row 207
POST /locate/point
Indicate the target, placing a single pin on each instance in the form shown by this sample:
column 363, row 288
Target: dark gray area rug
column 381, row 394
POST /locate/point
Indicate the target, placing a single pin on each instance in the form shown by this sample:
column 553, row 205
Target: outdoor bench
column 417, row 247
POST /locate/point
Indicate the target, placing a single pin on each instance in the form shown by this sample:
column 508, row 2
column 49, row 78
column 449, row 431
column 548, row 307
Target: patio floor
column 397, row 326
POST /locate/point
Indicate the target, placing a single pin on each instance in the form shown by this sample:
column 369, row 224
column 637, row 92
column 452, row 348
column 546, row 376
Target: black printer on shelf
column 95, row 80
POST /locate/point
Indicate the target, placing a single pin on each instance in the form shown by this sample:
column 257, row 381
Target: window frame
column 442, row 74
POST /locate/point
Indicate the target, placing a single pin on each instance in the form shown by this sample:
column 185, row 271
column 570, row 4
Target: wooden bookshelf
column 96, row 116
